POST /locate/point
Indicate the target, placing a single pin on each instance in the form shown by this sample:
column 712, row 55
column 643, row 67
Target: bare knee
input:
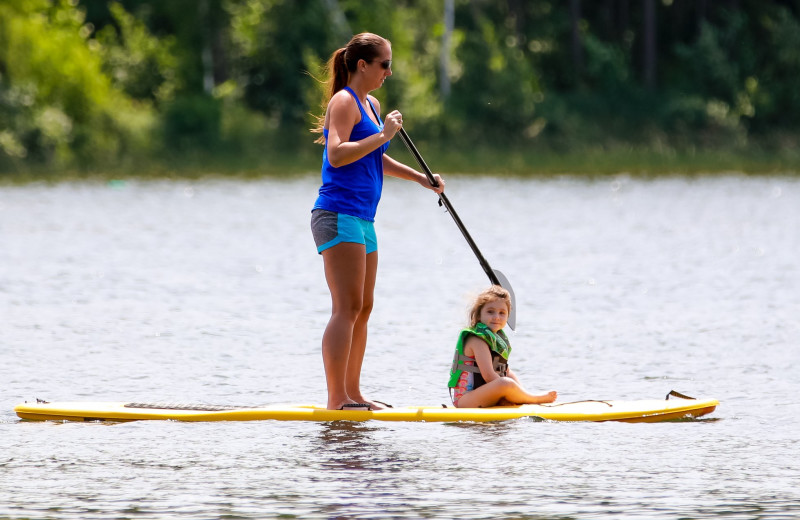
column 349, row 310
column 506, row 383
column 354, row 310
column 366, row 310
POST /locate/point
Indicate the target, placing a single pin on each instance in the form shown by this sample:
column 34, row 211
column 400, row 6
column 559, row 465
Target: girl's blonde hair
column 342, row 63
column 491, row 294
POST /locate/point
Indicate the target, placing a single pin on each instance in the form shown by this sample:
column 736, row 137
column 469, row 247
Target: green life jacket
column 498, row 344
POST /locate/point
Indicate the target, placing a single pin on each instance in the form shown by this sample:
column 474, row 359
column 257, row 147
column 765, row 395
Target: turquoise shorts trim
column 330, row 228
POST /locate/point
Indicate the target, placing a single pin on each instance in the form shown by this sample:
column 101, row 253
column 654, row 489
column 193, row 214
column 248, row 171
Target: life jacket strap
column 499, row 366
column 459, row 359
column 458, row 364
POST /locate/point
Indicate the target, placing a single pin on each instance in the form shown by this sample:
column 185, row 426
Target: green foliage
column 498, row 87
column 776, row 90
column 715, row 69
column 91, row 83
column 269, row 47
column 608, row 69
column 192, row 122
column 57, row 105
column 142, row 65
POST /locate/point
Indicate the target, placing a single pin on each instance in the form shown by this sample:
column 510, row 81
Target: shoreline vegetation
column 531, row 163
column 95, row 89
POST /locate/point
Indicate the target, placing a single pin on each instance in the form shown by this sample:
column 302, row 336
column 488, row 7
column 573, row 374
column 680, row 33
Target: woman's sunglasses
column 385, row 65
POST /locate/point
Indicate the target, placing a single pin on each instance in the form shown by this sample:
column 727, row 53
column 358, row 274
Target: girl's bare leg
column 502, row 389
column 346, row 274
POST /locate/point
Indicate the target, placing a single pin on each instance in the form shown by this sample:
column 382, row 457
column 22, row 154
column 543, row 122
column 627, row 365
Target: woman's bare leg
column 345, row 272
column 359, row 343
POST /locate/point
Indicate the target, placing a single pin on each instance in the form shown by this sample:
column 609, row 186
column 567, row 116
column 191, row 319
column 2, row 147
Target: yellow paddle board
column 627, row 411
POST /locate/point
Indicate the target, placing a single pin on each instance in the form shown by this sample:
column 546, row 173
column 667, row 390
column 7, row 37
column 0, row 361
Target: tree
column 61, row 108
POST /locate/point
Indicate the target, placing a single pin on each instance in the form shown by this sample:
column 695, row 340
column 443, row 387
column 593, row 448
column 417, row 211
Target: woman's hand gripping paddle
column 495, row 276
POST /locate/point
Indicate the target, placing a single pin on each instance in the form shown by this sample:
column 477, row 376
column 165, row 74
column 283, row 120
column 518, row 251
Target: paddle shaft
column 449, row 207
column 494, row 276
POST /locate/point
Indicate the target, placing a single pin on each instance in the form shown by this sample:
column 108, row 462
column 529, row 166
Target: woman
column 353, row 164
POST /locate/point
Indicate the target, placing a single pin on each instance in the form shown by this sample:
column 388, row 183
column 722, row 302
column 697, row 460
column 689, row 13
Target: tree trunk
column 449, row 20
column 343, row 31
column 650, row 56
column 206, row 55
column 577, row 44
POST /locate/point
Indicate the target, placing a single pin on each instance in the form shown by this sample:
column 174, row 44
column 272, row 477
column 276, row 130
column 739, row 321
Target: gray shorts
column 330, row 228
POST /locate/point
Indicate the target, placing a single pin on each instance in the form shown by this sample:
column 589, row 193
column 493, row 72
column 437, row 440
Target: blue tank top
column 355, row 188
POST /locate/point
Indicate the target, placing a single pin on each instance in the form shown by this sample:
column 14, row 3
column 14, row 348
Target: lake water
column 211, row 291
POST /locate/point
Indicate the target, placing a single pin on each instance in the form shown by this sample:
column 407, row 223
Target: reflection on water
column 348, row 445
column 211, row 291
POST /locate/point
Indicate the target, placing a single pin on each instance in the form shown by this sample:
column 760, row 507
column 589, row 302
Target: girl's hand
column 392, row 124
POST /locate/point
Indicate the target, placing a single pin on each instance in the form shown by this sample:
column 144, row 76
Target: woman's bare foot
column 340, row 405
column 376, row 405
column 373, row 405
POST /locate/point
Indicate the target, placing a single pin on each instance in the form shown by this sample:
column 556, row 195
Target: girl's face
column 495, row 314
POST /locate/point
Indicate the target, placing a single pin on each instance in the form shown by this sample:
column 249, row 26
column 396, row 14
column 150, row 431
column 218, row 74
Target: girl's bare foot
column 549, row 397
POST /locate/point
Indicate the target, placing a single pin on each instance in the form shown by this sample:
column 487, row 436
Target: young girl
column 480, row 375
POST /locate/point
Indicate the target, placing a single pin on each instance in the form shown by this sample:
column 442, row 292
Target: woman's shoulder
column 343, row 105
column 343, row 98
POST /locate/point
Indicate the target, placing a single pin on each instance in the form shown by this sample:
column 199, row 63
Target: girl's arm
column 342, row 115
column 483, row 356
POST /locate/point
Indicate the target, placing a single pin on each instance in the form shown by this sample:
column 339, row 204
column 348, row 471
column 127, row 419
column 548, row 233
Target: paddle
column 495, row 276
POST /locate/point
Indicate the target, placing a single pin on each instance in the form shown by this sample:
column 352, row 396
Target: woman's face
column 380, row 68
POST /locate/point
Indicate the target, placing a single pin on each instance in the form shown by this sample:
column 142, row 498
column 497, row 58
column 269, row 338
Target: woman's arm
column 401, row 171
column 343, row 114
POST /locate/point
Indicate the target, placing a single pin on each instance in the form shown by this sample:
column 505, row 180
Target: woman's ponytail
column 337, row 72
column 337, row 77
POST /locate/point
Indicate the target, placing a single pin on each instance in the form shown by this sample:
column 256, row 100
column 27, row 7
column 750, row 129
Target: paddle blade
column 504, row 283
